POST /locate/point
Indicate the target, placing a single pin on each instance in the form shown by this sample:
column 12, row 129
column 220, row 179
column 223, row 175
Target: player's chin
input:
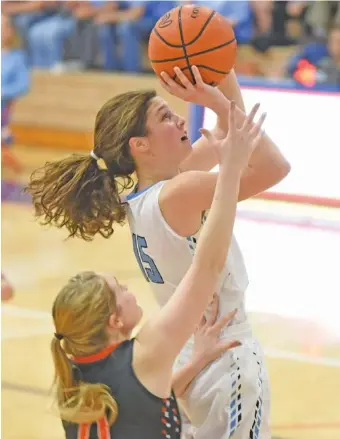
column 186, row 147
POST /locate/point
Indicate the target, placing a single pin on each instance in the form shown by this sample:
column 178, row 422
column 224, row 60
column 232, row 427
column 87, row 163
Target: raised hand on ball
column 198, row 93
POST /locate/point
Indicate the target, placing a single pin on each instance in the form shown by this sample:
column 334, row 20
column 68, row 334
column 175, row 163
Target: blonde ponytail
column 79, row 402
column 63, row 378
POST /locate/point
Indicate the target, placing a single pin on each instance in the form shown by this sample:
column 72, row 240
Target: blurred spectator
column 263, row 15
column 14, row 83
column 46, row 37
column 239, row 14
column 318, row 62
column 26, row 13
column 81, row 47
column 272, row 18
column 121, row 29
column 321, row 16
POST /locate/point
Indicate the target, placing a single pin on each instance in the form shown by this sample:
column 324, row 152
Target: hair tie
column 94, row 156
column 58, row 336
column 100, row 162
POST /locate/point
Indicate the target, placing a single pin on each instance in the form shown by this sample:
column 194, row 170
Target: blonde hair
column 81, row 312
column 75, row 192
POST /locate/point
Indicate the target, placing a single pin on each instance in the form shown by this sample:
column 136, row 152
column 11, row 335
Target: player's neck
column 148, row 179
column 118, row 337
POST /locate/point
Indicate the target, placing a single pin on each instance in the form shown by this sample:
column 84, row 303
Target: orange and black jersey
column 140, row 413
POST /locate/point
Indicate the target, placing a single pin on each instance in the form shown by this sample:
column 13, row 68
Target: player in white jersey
column 138, row 132
column 231, row 397
column 164, row 256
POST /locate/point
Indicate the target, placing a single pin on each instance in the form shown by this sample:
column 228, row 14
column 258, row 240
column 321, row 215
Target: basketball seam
column 193, row 54
column 183, row 44
column 203, row 29
column 178, row 46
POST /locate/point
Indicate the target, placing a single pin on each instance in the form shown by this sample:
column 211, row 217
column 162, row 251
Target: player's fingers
column 198, row 77
column 203, row 322
column 232, row 118
column 257, row 140
column 224, row 346
column 257, row 128
column 171, row 84
column 223, row 321
column 208, row 135
column 248, row 123
column 165, row 85
column 213, row 311
column 184, row 80
column 165, row 77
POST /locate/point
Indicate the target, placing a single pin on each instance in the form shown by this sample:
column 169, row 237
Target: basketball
column 193, row 35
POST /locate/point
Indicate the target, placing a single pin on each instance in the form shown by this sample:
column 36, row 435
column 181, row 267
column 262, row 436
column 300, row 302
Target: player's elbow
column 282, row 170
column 274, row 172
column 261, row 178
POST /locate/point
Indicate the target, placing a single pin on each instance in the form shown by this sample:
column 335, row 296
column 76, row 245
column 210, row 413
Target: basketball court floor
column 293, row 257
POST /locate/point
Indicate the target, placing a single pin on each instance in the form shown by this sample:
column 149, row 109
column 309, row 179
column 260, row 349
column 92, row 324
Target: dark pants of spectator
column 126, row 37
column 82, row 44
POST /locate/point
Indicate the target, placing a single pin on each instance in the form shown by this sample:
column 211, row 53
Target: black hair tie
column 58, row 336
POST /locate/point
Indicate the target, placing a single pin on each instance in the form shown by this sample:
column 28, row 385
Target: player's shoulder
column 185, row 181
column 144, row 194
column 183, row 199
column 186, row 187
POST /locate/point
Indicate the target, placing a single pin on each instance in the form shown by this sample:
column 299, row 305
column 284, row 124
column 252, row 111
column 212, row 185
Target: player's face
column 167, row 135
column 129, row 312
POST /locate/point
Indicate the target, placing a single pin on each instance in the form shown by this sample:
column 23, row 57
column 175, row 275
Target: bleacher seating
column 60, row 110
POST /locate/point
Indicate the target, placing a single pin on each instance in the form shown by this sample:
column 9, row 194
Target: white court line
column 271, row 353
column 302, row 358
column 11, row 334
column 17, row 311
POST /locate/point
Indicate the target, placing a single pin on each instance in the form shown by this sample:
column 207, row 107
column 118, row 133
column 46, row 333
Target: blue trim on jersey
column 235, row 406
column 136, row 194
column 256, row 427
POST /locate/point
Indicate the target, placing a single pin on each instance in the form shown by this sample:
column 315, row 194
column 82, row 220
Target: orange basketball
column 193, row 35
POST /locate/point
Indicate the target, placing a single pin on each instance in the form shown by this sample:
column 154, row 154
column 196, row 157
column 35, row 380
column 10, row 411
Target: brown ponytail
column 80, row 313
column 76, row 192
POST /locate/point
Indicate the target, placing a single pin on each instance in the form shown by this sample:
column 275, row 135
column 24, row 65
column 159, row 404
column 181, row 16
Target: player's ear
column 138, row 145
column 115, row 322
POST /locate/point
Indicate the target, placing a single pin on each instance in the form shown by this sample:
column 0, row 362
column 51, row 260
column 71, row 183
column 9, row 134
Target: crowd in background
column 111, row 35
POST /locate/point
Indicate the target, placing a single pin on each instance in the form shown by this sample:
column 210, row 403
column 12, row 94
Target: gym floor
column 292, row 253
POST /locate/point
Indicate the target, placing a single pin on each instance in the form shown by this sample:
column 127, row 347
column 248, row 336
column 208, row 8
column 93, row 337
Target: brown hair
column 80, row 313
column 76, row 192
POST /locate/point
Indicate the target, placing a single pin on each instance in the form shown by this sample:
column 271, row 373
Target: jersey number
column 146, row 264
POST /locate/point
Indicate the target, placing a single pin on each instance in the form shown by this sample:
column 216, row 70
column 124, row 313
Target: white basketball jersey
column 164, row 257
